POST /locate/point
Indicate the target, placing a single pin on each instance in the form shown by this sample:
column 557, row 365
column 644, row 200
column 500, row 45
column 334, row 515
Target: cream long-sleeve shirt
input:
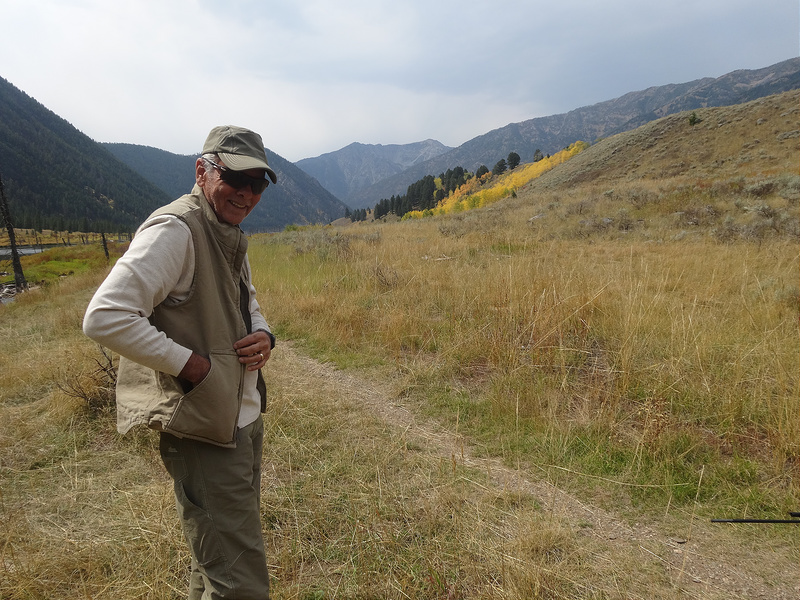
column 157, row 267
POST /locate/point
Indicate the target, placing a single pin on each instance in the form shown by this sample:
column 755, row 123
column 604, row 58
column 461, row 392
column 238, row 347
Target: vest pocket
column 210, row 411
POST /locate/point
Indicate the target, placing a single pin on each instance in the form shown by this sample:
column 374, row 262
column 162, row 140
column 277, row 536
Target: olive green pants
column 217, row 491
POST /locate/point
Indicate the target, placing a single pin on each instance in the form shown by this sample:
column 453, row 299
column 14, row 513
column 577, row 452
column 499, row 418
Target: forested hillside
column 56, row 177
column 172, row 173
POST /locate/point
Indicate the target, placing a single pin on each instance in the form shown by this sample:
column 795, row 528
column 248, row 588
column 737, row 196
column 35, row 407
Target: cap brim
column 240, row 162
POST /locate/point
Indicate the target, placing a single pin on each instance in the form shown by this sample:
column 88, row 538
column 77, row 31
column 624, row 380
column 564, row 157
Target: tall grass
column 350, row 508
column 643, row 362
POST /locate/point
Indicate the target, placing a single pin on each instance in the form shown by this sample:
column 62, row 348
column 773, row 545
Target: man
column 180, row 309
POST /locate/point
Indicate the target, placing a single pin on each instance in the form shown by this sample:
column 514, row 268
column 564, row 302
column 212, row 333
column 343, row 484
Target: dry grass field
column 548, row 397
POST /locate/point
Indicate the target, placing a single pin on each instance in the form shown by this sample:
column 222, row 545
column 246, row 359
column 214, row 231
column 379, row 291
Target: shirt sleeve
column 158, row 267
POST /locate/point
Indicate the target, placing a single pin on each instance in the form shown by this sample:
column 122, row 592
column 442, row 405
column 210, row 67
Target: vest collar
column 229, row 236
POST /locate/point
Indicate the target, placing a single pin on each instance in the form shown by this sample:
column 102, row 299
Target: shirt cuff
column 270, row 335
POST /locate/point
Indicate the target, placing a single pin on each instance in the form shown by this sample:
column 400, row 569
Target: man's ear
column 200, row 172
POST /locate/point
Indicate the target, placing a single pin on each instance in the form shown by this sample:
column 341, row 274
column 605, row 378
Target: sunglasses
column 238, row 180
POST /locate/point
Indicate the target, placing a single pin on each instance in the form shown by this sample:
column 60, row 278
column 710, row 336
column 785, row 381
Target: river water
column 5, row 251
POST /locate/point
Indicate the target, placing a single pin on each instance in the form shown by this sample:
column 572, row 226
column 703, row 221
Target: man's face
column 231, row 205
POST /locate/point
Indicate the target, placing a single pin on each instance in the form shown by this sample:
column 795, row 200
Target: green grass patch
column 56, row 263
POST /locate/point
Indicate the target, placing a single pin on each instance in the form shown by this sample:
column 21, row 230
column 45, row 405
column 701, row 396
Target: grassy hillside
column 703, row 146
column 547, row 397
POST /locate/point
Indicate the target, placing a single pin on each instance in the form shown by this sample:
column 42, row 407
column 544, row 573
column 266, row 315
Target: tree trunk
column 19, row 276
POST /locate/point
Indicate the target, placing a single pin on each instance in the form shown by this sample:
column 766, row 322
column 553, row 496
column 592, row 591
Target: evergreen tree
column 513, row 160
column 452, row 179
column 423, row 194
column 500, row 167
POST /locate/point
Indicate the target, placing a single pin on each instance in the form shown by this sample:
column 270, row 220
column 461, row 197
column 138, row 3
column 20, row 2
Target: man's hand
column 195, row 369
column 254, row 350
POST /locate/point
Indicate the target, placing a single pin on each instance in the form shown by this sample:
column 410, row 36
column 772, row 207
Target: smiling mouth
column 237, row 205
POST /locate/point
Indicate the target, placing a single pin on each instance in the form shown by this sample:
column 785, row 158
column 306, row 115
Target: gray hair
column 210, row 157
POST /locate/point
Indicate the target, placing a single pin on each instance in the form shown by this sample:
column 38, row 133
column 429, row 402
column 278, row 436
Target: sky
column 312, row 76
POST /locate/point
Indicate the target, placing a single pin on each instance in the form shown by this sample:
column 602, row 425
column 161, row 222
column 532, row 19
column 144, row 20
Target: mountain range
column 338, row 170
column 57, row 177
column 346, row 172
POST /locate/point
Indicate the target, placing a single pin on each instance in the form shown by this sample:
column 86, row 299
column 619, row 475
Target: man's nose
column 245, row 192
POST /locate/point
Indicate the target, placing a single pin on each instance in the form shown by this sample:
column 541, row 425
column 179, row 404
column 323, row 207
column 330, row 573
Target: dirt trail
column 704, row 561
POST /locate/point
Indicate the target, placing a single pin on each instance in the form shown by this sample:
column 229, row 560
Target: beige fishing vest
column 208, row 322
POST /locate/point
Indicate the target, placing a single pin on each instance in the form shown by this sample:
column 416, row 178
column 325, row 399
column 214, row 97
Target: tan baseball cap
column 239, row 148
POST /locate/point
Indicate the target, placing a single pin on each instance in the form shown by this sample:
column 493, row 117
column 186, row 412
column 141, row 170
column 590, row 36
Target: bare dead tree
column 19, row 276
column 105, row 245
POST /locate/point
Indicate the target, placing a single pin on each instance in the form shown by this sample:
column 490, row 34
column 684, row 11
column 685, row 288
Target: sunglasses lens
column 259, row 186
column 239, row 180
